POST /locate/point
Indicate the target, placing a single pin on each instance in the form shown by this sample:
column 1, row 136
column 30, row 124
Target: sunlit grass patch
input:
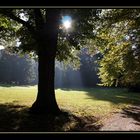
column 18, row 95
column 89, row 101
column 96, row 102
column 81, row 105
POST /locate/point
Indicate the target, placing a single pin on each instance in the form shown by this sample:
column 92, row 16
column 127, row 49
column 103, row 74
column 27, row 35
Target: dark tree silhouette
column 47, row 39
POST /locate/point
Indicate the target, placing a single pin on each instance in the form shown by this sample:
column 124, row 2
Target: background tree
column 17, row 70
column 89, row 69
column 118, row 41
column 84, row 76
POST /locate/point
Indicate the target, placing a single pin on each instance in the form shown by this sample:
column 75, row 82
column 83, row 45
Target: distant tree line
column 86, row 76
column 18, row 70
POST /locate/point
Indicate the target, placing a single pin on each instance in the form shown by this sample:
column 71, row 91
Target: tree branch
column 38, row 18
column 13, row 17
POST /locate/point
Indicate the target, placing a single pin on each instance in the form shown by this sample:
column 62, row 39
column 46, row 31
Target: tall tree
column 118, row 42
column 40, row 31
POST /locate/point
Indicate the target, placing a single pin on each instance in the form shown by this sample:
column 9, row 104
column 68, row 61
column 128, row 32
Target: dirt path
column 127, row 120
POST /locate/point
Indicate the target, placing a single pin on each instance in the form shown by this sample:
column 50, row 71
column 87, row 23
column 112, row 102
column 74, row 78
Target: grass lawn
column 88, row 108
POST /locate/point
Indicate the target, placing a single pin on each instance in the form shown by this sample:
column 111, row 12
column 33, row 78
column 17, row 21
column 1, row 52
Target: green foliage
column 118, row 42
column 8, row 30
column 68, row 41
column 109, row 32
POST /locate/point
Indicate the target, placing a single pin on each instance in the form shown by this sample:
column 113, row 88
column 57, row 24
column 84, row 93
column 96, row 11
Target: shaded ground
column 15, row 118
column 127, row 120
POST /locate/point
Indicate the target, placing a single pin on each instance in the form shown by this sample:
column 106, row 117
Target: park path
column 127, row 120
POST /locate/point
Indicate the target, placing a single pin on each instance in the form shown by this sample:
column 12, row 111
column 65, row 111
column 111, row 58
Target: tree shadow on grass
column 16, row 85
column 132, row 112
column 16, row 118
column 113, row 95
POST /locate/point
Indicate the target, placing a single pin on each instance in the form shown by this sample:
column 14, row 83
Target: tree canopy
column 112, row 32
column 118, row 40
column 21, row 26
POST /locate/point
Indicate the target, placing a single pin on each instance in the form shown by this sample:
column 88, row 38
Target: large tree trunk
column 45, row 101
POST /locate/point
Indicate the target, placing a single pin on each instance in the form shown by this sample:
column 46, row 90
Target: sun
column 66, row 22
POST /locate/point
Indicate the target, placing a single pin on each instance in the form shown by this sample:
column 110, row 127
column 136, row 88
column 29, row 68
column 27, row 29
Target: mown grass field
column 89, row 108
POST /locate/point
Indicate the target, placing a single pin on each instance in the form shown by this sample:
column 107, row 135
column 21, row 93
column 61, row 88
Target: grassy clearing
column 82, row 103
column 96, row 102
column 18, row 95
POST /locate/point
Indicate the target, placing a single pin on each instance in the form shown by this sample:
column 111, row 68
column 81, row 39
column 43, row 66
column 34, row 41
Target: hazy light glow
column 18, row 44
column 134, row 47
column 1, row 47
column 67, row 24
column 66, row 21
column 23, row 17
